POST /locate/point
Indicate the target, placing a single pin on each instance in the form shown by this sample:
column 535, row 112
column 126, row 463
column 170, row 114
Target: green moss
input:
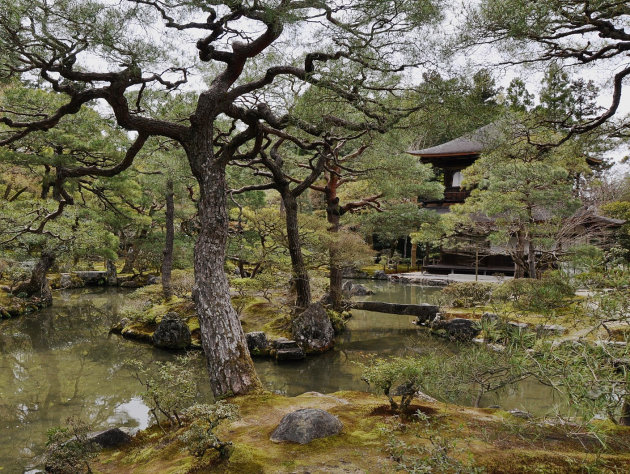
column 496, row 441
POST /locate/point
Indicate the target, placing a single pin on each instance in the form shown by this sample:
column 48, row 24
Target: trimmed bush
column 466, row 294
column 548, row 293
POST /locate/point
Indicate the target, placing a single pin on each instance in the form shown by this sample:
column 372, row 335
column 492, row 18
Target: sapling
column 199, row 437
column 401, row 376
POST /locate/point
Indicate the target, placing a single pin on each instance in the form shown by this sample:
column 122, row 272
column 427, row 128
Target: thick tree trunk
column 130, row 259
column 531, row 259
column 167, row 261
column 519, row 256
column 229, row 364
column 414, row 255
column 300, row 280
column 624, row 419
column 38, row 285
column 333, row 214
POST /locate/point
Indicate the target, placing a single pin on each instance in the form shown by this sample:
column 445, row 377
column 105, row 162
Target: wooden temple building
column 475, row 254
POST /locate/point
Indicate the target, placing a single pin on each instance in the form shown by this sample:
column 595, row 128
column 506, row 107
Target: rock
column 312, row 329
column 520, row 327
column 111, row 438
column 65, row 280
column 292, row 353
column 424, row 397
column 458, row 329
column 520, row 414
column 286, row 349
column 92, row 277
column 283, row 343
column 379, row 275
column 256, row 342
column 117, row 328
column 424, row 312
column 550, row 329
column 152, row 280
column 490, row 318
column 305, row 425
column 172, row 333
column 130, row 284
column 351, row 289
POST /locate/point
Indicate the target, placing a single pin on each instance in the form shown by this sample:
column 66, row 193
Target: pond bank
column 60, row 362
column 373, row 440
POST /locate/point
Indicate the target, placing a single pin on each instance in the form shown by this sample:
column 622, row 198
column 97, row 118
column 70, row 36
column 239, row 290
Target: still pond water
column 60, row 362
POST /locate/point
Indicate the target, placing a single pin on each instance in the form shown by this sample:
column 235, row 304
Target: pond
column 60, row 362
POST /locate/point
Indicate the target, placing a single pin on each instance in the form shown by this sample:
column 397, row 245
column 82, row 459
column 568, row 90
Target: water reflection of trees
column 60, row 362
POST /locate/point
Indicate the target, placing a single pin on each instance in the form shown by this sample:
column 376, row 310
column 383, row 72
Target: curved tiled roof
column 472, row 143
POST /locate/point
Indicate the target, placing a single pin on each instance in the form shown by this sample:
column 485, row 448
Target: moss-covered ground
column 147, row 308
column 374, row 440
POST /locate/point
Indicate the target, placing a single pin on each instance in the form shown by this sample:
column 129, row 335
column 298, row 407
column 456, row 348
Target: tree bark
column 624, row 419
column 333, row 214
column 130, row 259
column 38, row 284
column 414, row 255
column 167, row 261
column 300, row 279
column 531, row 259
column 228, row 360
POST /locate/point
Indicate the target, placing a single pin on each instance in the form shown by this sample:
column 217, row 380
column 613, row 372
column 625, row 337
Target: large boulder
column 256, row 342
column 111, row 438
column 355, row 289
column 305, row 425
column 458, row 329
column 312, row 329
column 172, row 333
column 379, row 275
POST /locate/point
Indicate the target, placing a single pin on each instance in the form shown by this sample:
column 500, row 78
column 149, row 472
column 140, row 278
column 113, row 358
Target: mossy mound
column 375, row 440
column 11, row 306
column 147, row 307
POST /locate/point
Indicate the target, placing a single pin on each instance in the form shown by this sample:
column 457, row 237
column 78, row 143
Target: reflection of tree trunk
column 167, row 262
column 40, row 329
column 229, row 364
column 300, row 274
column 38, row 284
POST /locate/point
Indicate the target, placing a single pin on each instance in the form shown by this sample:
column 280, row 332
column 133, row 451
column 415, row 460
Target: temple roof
column 472, row 143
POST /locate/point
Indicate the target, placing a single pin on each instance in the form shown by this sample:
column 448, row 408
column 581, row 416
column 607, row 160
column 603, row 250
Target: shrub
column 182, row 282
column 205, row 418
column 466, row 294
column 550, row 292
column 338, row 320
column 69, row 448
column 396, row 377
column 169, row 389
column 262, row 284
